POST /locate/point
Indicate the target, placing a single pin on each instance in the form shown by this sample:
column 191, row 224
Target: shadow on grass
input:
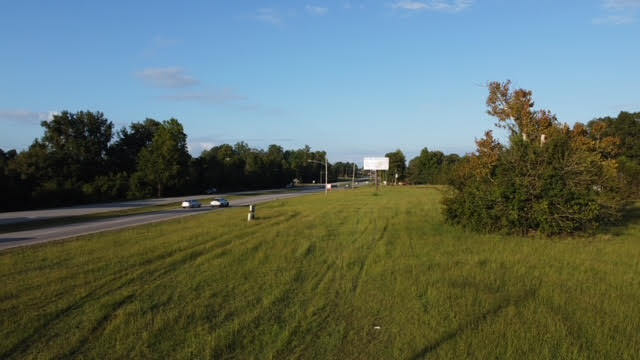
column 630, row 217
column 475, row 322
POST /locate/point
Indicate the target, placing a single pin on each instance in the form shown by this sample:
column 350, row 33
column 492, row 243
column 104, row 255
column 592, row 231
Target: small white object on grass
column 376, row 327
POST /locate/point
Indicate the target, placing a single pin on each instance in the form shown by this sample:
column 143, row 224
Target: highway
column 31, row 237
column 33, row 215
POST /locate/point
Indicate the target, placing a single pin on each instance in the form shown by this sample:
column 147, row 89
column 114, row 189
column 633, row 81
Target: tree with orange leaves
column 548, row 179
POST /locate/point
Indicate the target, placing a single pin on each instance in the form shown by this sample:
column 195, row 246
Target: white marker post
column 252, row 213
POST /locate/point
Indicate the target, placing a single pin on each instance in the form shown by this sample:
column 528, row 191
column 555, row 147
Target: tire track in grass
column 475, row 322
column 321, row 311
column 313, row 272
column 111, row 284
column 99, row 327
column 148, row 265
column 107, row 286
column 368, row 251
column 155, row 266
column 249, row 320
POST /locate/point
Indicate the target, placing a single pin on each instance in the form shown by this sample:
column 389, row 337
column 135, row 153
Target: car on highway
column 191, row 204
column 219, row 202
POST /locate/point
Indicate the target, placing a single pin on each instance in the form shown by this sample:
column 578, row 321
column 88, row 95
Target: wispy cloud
column 157, row 44
column 169, row 77
column 452, row 6
column 621, row 4
column 269, row 15
column 316, row 10
column 222, row 96
column 618, row 12
column 26, row 117
column 613, row 20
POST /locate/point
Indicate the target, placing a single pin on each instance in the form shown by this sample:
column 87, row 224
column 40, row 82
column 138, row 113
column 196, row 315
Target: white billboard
column 376, row 163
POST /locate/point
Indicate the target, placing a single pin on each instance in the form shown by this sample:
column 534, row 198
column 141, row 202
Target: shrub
column 549, row 178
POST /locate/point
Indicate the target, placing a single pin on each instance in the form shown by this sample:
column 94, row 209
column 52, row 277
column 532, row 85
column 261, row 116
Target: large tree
column 397, row 164
column 123, row 153
column 163, row 163
column 77, row 144
column 626, row 128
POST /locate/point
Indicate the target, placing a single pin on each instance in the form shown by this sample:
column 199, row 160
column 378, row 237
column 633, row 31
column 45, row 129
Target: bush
column 565, row 184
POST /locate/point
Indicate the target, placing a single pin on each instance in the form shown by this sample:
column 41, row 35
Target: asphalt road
column 32, row 215
column 31, row 237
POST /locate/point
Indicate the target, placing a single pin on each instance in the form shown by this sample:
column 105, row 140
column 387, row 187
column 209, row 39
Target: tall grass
column 348, row 276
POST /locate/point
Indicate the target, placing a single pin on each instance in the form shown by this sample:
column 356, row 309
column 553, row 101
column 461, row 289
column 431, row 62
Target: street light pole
column 326, row 172
column 326, row 175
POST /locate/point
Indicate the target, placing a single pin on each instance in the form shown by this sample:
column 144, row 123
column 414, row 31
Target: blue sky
column 357, row 78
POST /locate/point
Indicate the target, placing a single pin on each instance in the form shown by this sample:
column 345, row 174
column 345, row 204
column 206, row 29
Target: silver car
column 191, row 204
column 219, row 202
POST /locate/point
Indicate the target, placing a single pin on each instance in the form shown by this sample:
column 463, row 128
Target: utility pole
column 326, row 172
column 326, row 175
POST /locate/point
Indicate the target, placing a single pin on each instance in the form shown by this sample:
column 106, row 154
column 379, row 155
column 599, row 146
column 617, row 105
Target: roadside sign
column 376, row 163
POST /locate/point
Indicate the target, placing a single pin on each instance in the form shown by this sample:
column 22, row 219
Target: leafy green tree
column 123, row 153
column 163, row 163
column 625, row 128
column 431, row 167
column 397, row 164
column 344, row 170
column 77, row 144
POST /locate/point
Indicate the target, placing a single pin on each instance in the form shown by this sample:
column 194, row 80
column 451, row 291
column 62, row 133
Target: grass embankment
column 315, row 278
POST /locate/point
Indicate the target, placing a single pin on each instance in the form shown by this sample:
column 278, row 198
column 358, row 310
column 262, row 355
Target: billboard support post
column 375, row 164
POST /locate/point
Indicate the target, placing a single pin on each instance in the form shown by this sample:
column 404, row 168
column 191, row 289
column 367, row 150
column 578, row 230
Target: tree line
column 429, row 167
column 81, row 159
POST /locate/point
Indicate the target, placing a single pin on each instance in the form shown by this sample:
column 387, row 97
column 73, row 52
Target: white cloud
column 452, row 6
column 410, row 5
column 169, row 77
column 614, row 20
column 621, row 4
column 196, row 148
column 26, row 117
column 618, row 12
column 317, row 10
column 269, row 16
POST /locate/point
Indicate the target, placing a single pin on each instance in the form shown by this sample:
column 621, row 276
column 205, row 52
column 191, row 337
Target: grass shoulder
column 349, row 275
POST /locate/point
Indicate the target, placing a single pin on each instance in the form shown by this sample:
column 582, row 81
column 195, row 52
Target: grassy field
column 354, row 276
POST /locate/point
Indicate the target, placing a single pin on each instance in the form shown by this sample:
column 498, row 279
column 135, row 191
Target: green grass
column 313, row 277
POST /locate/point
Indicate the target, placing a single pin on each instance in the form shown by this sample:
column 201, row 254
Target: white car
column 219, row 202
column 191, row 204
